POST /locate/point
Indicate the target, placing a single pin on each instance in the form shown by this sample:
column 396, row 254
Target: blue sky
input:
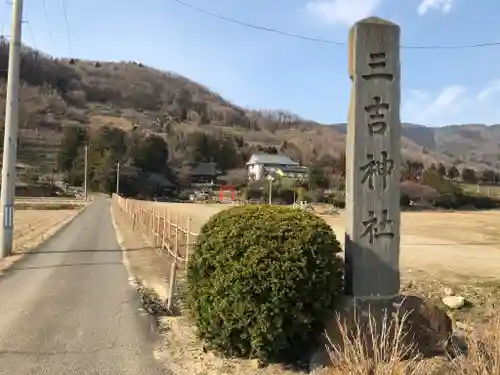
column 261, row 70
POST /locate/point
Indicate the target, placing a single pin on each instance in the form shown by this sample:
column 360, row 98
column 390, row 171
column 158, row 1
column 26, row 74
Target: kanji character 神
column 382, row 168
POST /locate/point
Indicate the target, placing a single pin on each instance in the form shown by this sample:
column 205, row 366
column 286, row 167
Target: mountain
column 60, row 92
column 475, row 146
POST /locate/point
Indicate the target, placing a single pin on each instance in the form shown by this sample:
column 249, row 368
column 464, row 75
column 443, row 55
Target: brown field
column 32, row 227
column 457, row 242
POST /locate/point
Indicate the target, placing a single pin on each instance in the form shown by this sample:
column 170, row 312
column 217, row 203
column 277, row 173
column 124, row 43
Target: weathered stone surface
column 373, row 161
column 428, row 329
column 454, row 302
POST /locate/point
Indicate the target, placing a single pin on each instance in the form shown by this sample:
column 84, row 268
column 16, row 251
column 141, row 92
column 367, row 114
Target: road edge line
column 132, row 280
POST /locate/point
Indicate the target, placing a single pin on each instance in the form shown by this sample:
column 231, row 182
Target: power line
column 63, row 3
column 30, row 31
column 257, row 27
column 48, row 21
column 319, row 40
column 4, row 19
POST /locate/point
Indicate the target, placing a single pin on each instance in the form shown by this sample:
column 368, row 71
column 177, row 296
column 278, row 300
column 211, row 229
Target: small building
column 261, row 165
column 206, row 173
column 159, row 184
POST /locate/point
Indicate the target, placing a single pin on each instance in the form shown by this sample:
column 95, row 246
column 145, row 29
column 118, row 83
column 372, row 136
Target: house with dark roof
column 205, row 173
column 159, row 185
column 160, row 181
column 262, row 165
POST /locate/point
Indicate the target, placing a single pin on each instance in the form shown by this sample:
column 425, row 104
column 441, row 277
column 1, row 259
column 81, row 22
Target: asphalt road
column 69, row 309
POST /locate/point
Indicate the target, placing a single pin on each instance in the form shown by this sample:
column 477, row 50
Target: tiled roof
column 271, row 159
column 160, row 179
column 206, row 169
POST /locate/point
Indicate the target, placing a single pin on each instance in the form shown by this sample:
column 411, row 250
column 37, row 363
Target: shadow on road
column 15, row 269
column 88, row 250
column 55, row 353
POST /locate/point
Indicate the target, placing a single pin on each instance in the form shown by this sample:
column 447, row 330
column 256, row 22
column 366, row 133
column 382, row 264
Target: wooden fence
column 163, row 227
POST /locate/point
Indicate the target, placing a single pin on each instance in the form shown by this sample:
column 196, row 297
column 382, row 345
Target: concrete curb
column 51, row 233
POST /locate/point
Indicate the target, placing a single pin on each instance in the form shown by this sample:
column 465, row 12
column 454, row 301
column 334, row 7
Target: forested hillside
column 195, row 123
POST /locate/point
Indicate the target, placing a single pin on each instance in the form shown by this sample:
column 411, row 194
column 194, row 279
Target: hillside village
column 121, row 108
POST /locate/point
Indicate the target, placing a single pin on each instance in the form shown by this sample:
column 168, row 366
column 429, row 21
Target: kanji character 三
column 378, row 64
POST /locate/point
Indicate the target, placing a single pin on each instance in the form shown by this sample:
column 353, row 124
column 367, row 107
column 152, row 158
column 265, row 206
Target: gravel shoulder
column 140, row 255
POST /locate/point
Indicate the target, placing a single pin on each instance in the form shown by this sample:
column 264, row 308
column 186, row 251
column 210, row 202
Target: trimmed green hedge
column 262, row 280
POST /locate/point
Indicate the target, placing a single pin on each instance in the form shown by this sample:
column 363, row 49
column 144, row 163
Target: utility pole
column 118, row 178
column 86, row 171
column 8, row 187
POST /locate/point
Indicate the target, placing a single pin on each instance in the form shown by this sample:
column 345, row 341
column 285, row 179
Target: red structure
column 227, row 188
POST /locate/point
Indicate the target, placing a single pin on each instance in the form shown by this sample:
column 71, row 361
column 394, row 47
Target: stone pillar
column 373, row 159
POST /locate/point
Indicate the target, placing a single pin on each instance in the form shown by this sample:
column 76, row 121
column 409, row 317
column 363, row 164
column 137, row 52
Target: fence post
column 173, row 266
column 149, row 223
column 153, row 227
column 163, row 231
column 158, row 226
column 176, row 235
column 188, row 238
column 152, row 224
column 169, row 226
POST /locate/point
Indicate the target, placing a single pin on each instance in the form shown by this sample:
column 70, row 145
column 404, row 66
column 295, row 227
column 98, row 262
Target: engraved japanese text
column 378, row 227
column 382, row 168
column 377, row 111
column 378, row 65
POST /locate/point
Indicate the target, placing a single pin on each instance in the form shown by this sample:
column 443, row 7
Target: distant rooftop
column 161, row 180
column 271, row 159
column 206, row 169
column 294, row 169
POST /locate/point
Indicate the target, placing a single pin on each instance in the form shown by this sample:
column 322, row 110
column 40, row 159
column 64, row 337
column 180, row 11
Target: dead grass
column 483, row 357
column 33, row 227
column 482, row 295
column 48, row 206
column 98, row 121
column 391, row 357
column 466, row 227
column 376, row 350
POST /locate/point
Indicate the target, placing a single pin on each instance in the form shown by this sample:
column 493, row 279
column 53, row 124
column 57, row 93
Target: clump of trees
column 138, row 155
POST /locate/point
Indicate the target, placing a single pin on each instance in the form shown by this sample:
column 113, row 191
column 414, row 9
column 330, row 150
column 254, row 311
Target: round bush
column 262, row 280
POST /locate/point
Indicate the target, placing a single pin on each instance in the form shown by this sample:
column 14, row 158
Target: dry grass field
column 459, row 242
column 33, row 226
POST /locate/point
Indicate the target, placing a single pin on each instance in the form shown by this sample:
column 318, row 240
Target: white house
column 261, row 165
